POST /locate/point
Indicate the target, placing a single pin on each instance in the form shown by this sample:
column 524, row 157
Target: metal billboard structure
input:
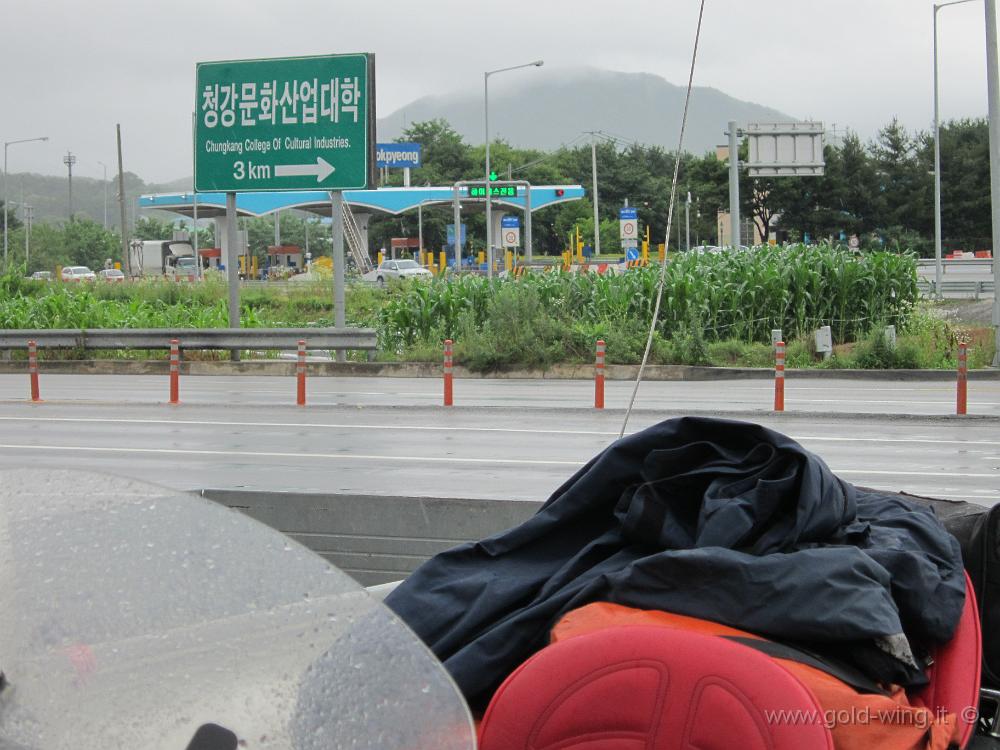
column 785, row 149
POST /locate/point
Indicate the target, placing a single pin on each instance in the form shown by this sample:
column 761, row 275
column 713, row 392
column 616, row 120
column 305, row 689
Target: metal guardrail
column 954, row 263
column 233, row 339
column 957, row 286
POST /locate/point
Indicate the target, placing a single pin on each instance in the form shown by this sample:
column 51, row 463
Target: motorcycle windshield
column 133, row 616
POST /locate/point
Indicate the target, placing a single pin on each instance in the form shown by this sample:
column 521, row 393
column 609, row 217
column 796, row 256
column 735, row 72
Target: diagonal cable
column 670, row 217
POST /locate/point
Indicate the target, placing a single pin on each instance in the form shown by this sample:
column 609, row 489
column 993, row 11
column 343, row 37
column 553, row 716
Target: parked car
column 41, row 276
column 78, row 273
column 399, row 269
column 111, row 274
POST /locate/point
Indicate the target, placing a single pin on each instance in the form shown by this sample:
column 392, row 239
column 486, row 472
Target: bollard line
column 963, row 379
column 175, row 367
column 33, row 370
column 300, row 375
column 448, row 395
column 779, row 376
column 599, row 376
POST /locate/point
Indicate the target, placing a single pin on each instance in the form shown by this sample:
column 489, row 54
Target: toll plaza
column 360, row 206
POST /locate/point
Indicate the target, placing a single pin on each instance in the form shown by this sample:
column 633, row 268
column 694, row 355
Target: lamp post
column 937, row 155
column 6, row 203
column 105, row 167
column 486, row 118
column 993, row 89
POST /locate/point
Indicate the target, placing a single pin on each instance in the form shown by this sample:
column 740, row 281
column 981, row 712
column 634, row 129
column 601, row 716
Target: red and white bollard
column 447, row 373
column 599, row 376
column 963, row 378
column 175, row 370
column 779, row 376
column 300, row 375
column 33, row 370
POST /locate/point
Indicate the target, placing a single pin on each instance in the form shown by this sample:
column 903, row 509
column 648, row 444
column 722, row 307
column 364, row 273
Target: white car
column 78, row 273
column 399, row 269
column 111, row 274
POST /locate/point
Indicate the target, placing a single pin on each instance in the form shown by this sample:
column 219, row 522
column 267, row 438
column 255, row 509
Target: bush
column 517, row 332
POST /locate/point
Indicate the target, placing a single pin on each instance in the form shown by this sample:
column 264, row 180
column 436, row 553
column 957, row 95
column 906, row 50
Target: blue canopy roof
column 385, row 200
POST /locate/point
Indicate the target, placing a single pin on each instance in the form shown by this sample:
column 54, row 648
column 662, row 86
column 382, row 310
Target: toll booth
column 403, row 245
column 284, row 255
column 211, row 257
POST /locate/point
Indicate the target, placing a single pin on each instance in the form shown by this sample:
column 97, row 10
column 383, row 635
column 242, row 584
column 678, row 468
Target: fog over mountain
column 531, row 109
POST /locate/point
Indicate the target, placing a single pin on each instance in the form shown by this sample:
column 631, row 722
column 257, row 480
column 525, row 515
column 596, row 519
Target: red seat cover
column 650, row 688
column 955, row 674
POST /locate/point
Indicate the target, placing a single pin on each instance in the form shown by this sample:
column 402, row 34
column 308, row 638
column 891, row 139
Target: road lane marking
column 275, row 454
column 457, row 428
column 417, row 459
column 299, row 425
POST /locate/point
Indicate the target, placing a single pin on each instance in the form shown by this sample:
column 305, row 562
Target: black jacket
column 722, row 520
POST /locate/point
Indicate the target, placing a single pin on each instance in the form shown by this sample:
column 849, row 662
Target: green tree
column 965, row 184
column 12, row 221
column 152, row 228
column 88, row 243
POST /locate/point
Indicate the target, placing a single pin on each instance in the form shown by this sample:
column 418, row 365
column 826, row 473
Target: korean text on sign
column 280, row 102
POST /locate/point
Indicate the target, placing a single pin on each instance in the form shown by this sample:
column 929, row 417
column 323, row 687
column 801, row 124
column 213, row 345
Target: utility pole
column 687, row 222
column 121, row 204
column 69, row 160
column 597, row 220
column 734, row 184
column 29, row 215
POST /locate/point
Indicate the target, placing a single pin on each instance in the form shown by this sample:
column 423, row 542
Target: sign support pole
column 734, row 185
column 232, row 267
column 337, row 209
column 527, row 224
column 458, row 230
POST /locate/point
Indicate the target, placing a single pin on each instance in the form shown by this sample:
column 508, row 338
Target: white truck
column 171, row 258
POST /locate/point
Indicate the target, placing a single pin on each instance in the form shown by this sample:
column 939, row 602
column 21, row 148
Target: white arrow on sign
column 321, row 169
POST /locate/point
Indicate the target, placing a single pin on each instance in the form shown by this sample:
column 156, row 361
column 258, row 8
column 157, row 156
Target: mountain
column 545, row 111
column 49, row 195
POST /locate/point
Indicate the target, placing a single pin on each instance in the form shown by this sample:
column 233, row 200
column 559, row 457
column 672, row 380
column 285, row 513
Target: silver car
column 78, row 273
column 399, row 269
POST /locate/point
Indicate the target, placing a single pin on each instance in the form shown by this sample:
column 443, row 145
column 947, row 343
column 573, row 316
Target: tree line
column 881, row 190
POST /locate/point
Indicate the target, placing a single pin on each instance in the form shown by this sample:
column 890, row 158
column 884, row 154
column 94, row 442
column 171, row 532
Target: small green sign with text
column 497, row 191
column 299, row 123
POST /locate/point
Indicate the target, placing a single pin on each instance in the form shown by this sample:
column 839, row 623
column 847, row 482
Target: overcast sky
column 73, row 68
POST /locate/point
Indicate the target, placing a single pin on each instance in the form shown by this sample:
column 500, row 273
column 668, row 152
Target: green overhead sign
column 299, row 123
column 497, row 191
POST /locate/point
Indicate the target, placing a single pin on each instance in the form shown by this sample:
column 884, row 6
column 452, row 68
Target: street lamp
column 105, row 167
column 6, row 203
column 993, row 93
column 937, row 155
column 486, row 118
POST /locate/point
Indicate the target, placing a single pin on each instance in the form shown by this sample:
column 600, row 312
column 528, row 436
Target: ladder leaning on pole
column 352, row 235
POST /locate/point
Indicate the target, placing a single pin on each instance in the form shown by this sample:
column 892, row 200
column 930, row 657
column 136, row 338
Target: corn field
column 738, row 296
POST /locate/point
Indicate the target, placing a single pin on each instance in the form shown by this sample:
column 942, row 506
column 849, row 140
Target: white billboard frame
column 785, row 149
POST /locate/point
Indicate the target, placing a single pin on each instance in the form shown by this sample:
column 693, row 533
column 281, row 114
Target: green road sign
column 299, row 123
column 497, row 191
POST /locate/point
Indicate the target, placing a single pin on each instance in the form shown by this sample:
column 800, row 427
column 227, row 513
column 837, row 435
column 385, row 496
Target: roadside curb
column 286, row 368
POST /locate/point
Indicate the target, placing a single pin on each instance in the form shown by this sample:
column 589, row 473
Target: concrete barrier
column 376, row 538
